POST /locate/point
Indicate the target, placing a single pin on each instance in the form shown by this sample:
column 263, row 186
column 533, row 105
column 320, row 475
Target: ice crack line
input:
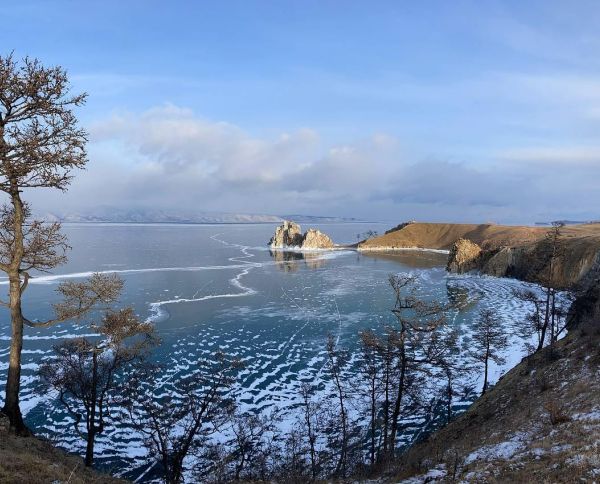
column 157, row 313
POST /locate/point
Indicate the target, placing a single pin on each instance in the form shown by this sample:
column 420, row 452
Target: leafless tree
column 84, row 370
column 553, row 252
column 40, row 145
column 336, row 360
column 419, row 340
column 371, row 374
column 177, row 422
column 254, row 450
column 489, row 340
column 453, row 371
column 311, row 421
column 534, row 323
column 547, row 318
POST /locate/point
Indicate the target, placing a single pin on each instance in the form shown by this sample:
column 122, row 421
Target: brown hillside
column 508, row 251
column 443, row 235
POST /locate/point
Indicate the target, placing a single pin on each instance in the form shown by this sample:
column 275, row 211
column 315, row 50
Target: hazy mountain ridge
column 119, row 215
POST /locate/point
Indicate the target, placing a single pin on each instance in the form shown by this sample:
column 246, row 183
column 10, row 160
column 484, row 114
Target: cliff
column 502, row 250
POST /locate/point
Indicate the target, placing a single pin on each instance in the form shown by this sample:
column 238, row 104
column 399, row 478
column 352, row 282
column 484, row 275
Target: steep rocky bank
column 577, row 267
column 539, row 423
column 289, row 235
column 502, row 250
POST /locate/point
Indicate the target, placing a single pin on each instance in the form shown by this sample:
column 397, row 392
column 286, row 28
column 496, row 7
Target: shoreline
column 359, row 249
column 402, row 249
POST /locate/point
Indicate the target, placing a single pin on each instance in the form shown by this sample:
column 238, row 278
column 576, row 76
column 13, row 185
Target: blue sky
column 480, row 111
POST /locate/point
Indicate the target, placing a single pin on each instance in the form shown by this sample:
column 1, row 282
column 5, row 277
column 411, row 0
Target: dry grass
column 30, row 460
column 556, row 412
column 443, row 235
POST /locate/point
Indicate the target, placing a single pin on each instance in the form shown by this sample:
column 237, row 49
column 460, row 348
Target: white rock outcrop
column 315, row 239
column 289, row 235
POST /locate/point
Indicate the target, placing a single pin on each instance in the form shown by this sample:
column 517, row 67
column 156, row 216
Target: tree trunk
column 485, row 375
column 386, row 408
column 91, row 434
column 546, row 320
column 398, row 404
column 13, row 382
column 89, row 450
column 311, row 440
column 450, row 395
column 373, row 415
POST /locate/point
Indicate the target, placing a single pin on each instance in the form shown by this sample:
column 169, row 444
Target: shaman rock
column 288, row 234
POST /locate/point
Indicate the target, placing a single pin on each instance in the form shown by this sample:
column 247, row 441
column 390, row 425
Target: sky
column 388, row 111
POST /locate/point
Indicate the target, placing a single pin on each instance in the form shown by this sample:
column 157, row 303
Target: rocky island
column 289, row 236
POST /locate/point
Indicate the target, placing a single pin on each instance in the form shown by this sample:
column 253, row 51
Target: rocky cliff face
column 464, row 256
column 289, row 235
column 315, row 239
column 577, row 268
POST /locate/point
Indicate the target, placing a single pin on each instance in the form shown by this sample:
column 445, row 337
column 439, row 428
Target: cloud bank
column 170, row 158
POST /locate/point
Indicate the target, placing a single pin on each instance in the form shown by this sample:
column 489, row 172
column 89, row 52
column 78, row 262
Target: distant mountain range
column 570, row 222
column 119, row 215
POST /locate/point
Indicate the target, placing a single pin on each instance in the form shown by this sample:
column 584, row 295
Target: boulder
column 288, row 234
column 315, row 239
column 464, row 256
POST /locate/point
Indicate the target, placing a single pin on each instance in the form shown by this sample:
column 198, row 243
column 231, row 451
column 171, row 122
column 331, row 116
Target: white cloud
column 168, row 157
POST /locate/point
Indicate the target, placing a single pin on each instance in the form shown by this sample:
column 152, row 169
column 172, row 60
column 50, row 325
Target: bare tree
column 549, row 280
column 489, row 339
column 311, row 422
column 84, row 370
column 419, row 340
column 535, row 319
column 371, row 374
column 454, row 371
column 254, row 446
column 40, row 145
column 176, row 428
column 336, row 360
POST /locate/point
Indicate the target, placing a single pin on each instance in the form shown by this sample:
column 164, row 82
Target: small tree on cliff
column 420, row 343
column 489, row 339
column 553, row 253
column 337, row 359
column 40, row 145
column 84, row 370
